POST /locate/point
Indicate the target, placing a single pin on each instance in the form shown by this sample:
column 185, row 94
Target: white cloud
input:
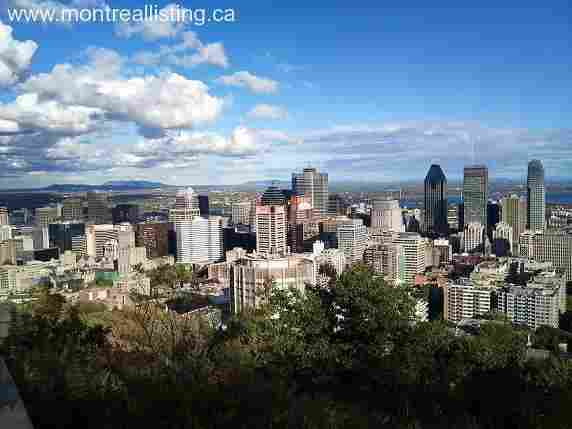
column 154, row 28
column 268, row 111
column 166, row 101
column 256, row 84
column 190, row 52
column 15, row 56
column 28, row 112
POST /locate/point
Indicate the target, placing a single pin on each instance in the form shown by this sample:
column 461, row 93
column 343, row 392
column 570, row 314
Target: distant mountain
column 261, row 185
column 114, row 185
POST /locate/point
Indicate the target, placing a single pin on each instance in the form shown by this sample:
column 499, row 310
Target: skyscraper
column 436, row 201
column 186, row 207
column 204, row 208
column 271, row 229
column 72, row 209
column 514, row 214
column 199, row 240
column 4, row 216
column 387, row 215
column 313, row 185
column 475, row 194
column 98, row 211
column 352, row 238
column 536, row 196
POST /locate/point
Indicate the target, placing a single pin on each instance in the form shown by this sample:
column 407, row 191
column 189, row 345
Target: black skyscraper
column 436, row 202
column 204, row 209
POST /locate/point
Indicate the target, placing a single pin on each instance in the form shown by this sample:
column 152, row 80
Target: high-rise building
column 72, row 209
column 503, row 239
column 464, row 300
column 548, row 247
column 204, row 209
column 536, row 196
column 4, row 219
column 539, row 303
column 413, row 249
column 47, row 215
column 98, row 211
column 335, row 205
column 96, row 238
column 302, row 224
column 125, row 213
column 475, row 194
column 436, row 202
column 352, row 239
column 186, row 207
column 7, row 252
column 240, row 212
column 250, row 276
column 514, row 213
column 493, row 216
column 5, row 232
column 313, row 185
column 474, row 238
column 387, row 215
column 453, row 217
column 61, row 234
column 271, row 229
column 200, row 241
column 154, row 237
column 386, row 259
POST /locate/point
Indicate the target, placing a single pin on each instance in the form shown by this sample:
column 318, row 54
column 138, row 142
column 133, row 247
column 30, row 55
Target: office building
column 61, row 234
column 47, row 215
column 97, row 237
column 125, row 213
column 7, row 252
column 413, row 249
column 303, row 227
column 503, row 240
column 435, row 202
column 536, row 196
column 335, row 205
column 387, row 215
column 464, row 300
column 514, row 213
column 539, row 303
column 204, row 209
column 5, row 232
column 475, row 195
column 72, row 209
column 251, row 276
column 493, row 216
column 98, row 211
column 200, row 240
column 271, row 229
column 548, row 247
column 453, row 217
column 352, row 239
column 442, row 252
column 4, row 219
column 241, row 212
column 387, row 260
column 314, row 186
column 154, row 237
column 474, row 238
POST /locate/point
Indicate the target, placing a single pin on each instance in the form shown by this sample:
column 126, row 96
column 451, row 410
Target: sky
column 367, row 91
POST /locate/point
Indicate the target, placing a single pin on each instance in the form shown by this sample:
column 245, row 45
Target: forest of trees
column 343, row 357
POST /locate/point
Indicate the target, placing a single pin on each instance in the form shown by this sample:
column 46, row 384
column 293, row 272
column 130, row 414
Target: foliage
column 322, row 358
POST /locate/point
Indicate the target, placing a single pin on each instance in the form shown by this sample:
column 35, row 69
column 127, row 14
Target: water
column 551, row 198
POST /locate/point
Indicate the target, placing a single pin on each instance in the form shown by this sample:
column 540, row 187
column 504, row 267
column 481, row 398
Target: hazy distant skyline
column 374, row 93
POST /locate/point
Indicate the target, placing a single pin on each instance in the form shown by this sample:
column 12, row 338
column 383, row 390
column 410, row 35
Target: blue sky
column 365, row 90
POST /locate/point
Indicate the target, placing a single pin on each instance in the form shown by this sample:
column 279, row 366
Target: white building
column 473, row 238
column 463, row 300
column 413, row 250
column 251, row 276
column 352, row 239
column 387, row 215
column 271, row 229
column 199, row 241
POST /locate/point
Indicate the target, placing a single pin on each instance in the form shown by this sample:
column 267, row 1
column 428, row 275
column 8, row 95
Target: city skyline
column 231, row 108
